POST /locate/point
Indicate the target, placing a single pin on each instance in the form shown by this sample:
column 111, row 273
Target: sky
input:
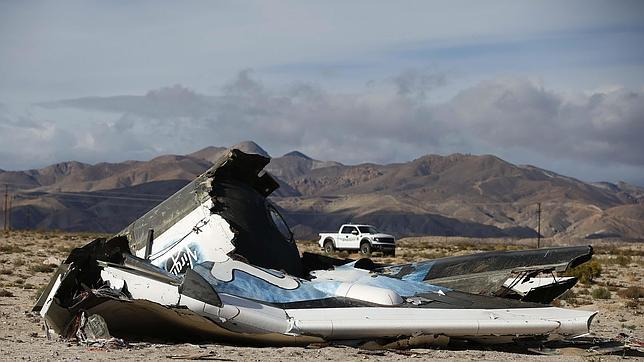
column 559, row 85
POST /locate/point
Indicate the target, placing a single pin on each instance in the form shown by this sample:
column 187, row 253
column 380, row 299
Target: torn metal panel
column 538, row 289
column 227, row 207
column 487, row 273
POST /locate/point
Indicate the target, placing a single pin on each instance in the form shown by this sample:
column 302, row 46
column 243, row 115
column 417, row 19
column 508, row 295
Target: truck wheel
column 328, row 247
column 391, row 253
column 365, row 248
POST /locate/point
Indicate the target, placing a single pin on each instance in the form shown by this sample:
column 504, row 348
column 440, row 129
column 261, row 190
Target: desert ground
column 612, row 285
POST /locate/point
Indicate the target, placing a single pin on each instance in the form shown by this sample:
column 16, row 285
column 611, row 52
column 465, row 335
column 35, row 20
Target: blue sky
column 409, row 78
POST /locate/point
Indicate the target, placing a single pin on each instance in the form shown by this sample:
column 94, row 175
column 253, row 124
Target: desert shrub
column 633, row 304
column 39, row 291
column 10, row 249
column 6, row 271
column 428, row 254
column 584, row 301
column 43, row 268
column 631, row 292
column 568, row 296
column 586, row 272
column 623, row 260
column 601, row 293
column 19, row 262
column 65, row 248
column 583, row 291
column 5, row 293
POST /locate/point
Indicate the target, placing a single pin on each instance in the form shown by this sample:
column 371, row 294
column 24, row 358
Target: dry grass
column 633, row 292
column 586, row 272
column 19, row 262
column 43, row 268
column 601, row 293
column 11, row 249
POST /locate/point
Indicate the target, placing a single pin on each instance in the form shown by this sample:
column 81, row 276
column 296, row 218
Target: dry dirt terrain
column 27, row 260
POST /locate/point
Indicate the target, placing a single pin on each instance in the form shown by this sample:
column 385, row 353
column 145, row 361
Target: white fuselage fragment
column 343, row 323
column 247, row 316
column 197, row 237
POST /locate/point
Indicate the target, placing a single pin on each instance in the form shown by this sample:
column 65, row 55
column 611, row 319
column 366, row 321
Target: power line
column 99, row 196
column 33, row 189
column 90, row 195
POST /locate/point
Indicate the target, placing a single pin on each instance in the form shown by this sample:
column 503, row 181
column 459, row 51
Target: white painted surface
column 213, row 231
column 224, row 271
column 142, row 287
column 338, row 323
column 524, row 287
column 369, row 294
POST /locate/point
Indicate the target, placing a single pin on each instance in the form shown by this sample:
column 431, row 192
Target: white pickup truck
column 364, row 238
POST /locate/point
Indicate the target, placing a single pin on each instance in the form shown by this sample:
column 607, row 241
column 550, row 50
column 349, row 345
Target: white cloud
column 597, row 128
column 505, row 116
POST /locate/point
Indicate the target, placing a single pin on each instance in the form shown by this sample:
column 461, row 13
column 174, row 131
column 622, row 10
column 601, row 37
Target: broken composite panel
column 216, row 261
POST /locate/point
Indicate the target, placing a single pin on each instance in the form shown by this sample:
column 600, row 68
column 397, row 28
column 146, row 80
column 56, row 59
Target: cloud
column 167, row 102
column 601, row 127
column 416, row 83
column 389, row 122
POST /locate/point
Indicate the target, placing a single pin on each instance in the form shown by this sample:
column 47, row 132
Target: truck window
column 368, row 230
column 347, row 230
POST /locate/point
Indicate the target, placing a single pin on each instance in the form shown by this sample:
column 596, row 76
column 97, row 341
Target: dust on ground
column 28, row 258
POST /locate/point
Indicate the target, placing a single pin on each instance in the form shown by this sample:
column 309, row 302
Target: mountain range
column 458, row 194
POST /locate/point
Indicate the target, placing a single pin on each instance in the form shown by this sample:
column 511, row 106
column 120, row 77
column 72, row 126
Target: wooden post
column 9, row 213
column 5, row 209
column 538, row 225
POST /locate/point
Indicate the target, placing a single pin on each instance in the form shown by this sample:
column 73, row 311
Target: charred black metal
column 485, row 273
column 197, row 287
column 311, row 261
column 547, row 293
column 238, row 189
column 559, row 258
column 148, row 246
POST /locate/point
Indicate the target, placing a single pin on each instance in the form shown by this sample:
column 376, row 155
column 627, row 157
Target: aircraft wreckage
column 216, row 261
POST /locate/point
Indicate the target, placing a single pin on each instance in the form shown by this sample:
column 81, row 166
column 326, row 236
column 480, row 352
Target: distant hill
column 458, row 194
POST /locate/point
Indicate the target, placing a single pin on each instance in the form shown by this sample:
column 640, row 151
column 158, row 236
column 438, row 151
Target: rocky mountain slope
column 459, row 194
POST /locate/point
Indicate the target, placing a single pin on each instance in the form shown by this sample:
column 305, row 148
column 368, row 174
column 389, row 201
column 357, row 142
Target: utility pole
column 6, row 204
column 9, row 214
column 538, row 225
